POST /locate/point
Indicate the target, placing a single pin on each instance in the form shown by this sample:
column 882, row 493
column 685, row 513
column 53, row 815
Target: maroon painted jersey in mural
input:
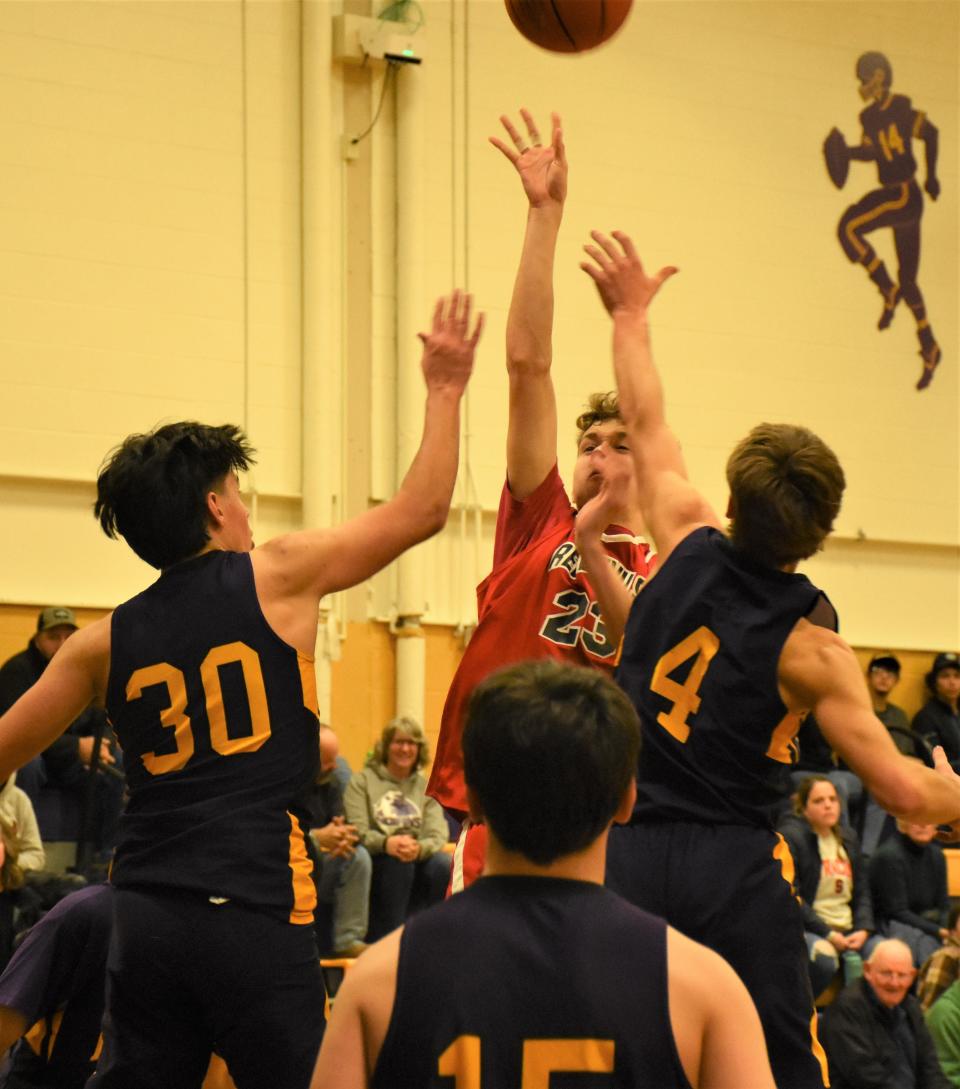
column 535, row 603
column 889, row 128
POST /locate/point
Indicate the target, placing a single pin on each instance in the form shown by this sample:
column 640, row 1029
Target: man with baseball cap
column 938, row 721
column 883, row 675
column 65, row 762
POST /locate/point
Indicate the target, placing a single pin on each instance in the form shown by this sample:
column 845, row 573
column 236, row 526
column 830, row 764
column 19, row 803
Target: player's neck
column 586, row 865
column 879, row 702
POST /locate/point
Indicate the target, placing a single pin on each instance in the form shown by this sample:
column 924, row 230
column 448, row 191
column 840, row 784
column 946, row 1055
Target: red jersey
column 535, row 603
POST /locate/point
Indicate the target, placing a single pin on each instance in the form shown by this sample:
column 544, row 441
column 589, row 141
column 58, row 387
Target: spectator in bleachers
column 943, row 1021
column 908, row 875
column 21, row 852
column 874, row 1033
column 342, row 864
column 883, row 675
column 830, row 881
column 65, row 763
column 942, row 967
column 52, row 991
column 815, row 757
column 404, row 830
column 938, row 721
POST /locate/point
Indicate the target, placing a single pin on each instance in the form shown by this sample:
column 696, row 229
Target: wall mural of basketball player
column 889, row 125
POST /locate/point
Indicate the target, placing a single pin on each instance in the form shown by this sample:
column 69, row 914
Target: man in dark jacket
column 65, row 763
column 342, row 865
column 874, row 1033
column 908, row 875
column 69, row 754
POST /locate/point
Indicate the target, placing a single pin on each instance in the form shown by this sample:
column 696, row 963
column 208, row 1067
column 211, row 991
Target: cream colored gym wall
column 698, row 129
column 149, row 260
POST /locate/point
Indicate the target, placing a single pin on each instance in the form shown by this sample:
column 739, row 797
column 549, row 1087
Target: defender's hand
column 619, row 275
column 449, row 347
column 542, row 170
column 932, row 186
column 597, row 513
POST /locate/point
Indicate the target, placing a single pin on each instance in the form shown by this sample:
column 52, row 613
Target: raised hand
column 542, row 169
column 612, row 497
column 449, row 347
column 619, row 275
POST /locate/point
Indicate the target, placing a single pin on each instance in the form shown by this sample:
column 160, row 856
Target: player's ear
column 214, row 509
column 627, row 802
column 474, row 808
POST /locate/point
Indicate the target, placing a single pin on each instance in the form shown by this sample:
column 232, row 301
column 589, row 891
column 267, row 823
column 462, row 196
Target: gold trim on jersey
column 781, row 854
column 308, row 681
column 301, row 871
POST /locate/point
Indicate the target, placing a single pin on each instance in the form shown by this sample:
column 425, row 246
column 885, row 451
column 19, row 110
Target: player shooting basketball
column 723, row 652
column 889, row 124
column 562, row 579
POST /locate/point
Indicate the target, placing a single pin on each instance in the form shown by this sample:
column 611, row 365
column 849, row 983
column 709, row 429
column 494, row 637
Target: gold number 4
column 683, row 697
column 541, row 1058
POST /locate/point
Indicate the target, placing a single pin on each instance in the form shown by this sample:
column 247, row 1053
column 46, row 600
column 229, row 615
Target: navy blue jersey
column 699, row 662
column 55, row 979
column 889, row 129
column 531, row 981
column 216, row 716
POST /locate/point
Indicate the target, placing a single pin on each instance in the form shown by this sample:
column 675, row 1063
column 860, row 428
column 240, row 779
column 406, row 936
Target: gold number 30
column 174, row 713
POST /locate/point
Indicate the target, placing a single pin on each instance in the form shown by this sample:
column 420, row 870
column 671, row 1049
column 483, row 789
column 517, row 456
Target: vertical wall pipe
column 321, row 346
column 411, row 229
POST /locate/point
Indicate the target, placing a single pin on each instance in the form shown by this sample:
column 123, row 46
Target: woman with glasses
column 404, row 830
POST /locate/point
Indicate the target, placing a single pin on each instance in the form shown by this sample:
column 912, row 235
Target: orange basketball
column 568, row 26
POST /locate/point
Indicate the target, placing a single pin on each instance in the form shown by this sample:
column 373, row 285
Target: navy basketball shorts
column 186, row 977
column 729, row 887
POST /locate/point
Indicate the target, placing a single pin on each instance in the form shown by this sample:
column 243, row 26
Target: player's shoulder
column 698, row 976
column 373, row 977
column 91, row 642
column 815, row 660
column 817, row 644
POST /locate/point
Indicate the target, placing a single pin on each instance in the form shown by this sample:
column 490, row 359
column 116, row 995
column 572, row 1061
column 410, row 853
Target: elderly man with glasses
column 874, row 1033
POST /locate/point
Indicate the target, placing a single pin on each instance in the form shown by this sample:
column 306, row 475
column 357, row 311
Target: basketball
column 568, row 26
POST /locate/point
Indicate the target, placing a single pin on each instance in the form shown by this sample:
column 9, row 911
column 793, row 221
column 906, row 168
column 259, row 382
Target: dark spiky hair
column 152, row 489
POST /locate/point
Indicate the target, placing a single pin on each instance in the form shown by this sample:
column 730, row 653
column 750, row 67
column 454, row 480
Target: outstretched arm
column 313, row 563
column 819, row 672
column 671, row 505
column 532, row 425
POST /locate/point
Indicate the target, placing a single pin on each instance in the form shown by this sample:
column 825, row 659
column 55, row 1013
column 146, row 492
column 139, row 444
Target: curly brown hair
column 600, row 408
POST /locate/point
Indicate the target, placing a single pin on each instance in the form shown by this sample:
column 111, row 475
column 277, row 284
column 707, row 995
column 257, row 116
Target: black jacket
column 62, row 758
column 802, row 841
column 857, row 1037
column 909, row 883
column 937, row 723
